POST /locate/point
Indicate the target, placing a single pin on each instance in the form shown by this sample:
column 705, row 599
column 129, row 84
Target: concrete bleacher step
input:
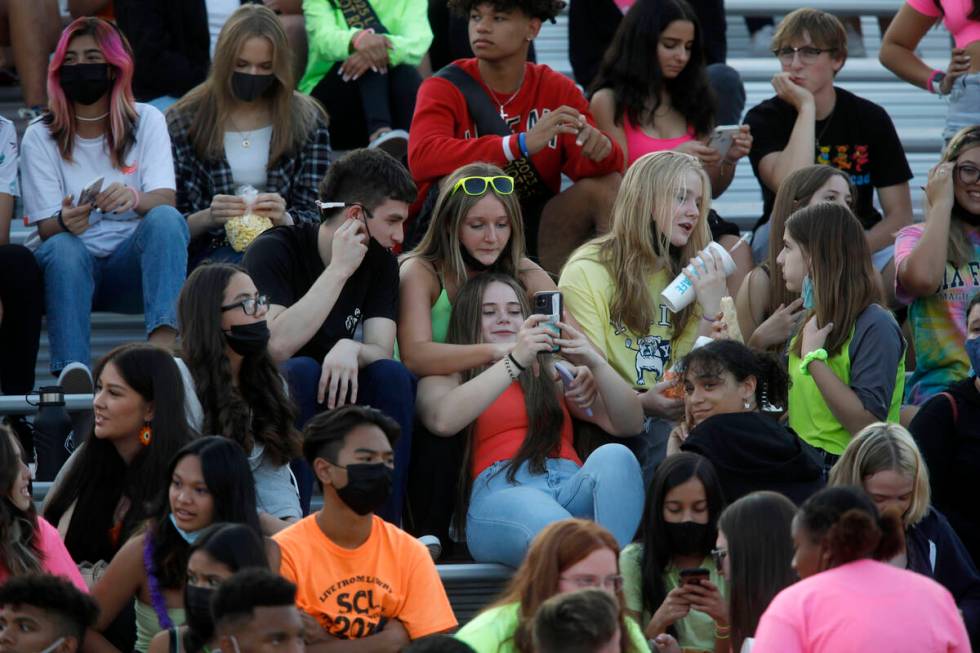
column 108, row 331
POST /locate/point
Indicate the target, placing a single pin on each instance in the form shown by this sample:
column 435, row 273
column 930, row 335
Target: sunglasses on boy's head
column 476, row 186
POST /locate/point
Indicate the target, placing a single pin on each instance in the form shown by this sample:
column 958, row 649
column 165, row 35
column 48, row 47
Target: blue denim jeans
column 964, row 104
column 504, row 517
column 143, row 275
column 386, row 385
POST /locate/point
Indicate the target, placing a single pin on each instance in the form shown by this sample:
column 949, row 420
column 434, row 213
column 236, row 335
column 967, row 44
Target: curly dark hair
column 72, row 610
column 631, row 68
column 541, row 9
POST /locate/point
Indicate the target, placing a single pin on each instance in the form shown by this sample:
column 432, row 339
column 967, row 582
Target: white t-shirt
column 47, row 178
column 8, row 158
column 249, row 164
column 218, row 13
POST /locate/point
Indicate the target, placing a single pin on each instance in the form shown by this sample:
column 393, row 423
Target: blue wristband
column 522, row 143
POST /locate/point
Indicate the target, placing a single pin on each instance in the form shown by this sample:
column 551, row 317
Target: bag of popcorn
column 243, row 230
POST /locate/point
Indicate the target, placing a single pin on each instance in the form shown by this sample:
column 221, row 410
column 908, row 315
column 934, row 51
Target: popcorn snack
column 731, row 318
column 243, row 230
column 676, row 389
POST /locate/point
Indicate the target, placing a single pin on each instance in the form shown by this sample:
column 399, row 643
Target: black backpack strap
column 482, row 110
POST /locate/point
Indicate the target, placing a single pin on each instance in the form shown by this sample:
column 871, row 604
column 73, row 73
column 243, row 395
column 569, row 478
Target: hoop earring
column 146, row 434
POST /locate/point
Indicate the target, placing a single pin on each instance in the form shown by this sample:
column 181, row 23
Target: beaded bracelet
column 511, row 372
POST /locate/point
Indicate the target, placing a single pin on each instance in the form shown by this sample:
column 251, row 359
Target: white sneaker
column 394, row 142
column 76, row 379
column 433, row 544
column 762, row 42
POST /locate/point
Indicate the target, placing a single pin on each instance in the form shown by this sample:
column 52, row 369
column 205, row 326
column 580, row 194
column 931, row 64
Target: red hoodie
column 444, row 137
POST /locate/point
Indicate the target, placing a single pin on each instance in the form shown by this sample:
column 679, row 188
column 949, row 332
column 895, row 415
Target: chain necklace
column 826, row 123
column 501, row 105
column 246, row 136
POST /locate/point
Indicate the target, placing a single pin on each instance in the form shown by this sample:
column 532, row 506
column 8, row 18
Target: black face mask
column 247, row 87
column 248, row 339
column 197, row 608
column 85, row 83
column 368, row 486
column 686, row 537
column 473, row 264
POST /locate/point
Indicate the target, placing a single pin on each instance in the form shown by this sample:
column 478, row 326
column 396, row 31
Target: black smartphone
column 694, row 576
column 549, row 302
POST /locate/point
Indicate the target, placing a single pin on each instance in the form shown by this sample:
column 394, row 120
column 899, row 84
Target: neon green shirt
column 329, row 36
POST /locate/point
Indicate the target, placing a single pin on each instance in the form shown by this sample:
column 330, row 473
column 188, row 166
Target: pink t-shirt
column 955, row 15
column 859, row 607
column 624, row 5
column 638, row 143
column 57, row 560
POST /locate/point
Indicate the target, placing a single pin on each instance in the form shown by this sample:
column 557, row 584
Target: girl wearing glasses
column 520, row 469
column 246, row 125
column 661, row 100
column 565, row 556
column 938, row 261
column 232, row 386
column 678, row 531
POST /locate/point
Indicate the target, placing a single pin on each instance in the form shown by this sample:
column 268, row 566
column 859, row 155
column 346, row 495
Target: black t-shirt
column 284, row 263
column 858, row 138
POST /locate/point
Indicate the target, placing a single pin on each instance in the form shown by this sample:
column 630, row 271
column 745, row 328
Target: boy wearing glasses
column 329, row 282
column 523, row 117
column 812, row 121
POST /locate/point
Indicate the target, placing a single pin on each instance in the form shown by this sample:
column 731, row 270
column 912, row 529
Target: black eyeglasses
column 967, row 174
column 808, row 53
column 249, row 305
column 718, row 555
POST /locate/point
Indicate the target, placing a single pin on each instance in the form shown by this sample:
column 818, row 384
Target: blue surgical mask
column 189, row 537
column 806, row 294
column 973, row 352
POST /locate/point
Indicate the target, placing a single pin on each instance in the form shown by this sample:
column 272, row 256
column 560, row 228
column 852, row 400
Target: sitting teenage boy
column 360, row 577
column 255, row 611
column 812, row 121
column 524, row 117
column 324, row 281
column 43, row 614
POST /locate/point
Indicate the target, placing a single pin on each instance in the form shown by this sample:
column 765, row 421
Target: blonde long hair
column 638, row 244
column 960, row 250
column 206, row 107
column 885, row 447
column 440, row 245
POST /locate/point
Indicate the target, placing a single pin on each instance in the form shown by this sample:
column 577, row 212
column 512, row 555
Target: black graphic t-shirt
column 284, row 263
column 858, row 138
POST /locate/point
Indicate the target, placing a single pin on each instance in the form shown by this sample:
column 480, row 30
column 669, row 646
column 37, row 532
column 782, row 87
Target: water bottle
column 52, row 432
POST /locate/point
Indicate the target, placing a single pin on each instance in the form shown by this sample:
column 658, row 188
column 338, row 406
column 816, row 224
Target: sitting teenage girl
column 521, row 471
column 847, row 356
column 245, row 125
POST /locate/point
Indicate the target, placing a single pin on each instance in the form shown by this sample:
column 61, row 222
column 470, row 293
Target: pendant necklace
column 501, row 105
column 246, row 136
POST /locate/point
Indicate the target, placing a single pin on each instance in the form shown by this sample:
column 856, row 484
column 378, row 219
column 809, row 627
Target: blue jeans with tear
column 504, row 516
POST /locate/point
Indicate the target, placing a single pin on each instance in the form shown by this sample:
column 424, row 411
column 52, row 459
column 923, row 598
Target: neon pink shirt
column 862, row 606
column 638, row 143
column 57, row 561
column 624, row 5
column 955, row 15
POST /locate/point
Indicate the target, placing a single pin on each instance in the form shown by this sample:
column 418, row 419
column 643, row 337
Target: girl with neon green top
column 678, row 531
column 476, row 227
column 847, row 358
column 565, row 556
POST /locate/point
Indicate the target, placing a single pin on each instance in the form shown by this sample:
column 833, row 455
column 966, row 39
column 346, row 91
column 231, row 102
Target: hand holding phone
column 549, row 303
column 694, row 576
column 566, row 377
column 722, row 137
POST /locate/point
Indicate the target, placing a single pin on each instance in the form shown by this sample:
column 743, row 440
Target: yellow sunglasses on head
column 476, row 186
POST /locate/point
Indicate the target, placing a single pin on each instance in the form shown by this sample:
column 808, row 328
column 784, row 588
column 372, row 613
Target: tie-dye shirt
column 938, row 321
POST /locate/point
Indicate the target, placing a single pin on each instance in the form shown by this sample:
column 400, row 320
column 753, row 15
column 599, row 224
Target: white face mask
column 54, row 645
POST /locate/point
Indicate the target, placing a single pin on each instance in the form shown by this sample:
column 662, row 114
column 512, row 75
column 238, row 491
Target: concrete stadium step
column 109, row 330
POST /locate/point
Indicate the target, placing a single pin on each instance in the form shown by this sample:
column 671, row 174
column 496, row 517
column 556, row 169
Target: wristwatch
column 936, row 83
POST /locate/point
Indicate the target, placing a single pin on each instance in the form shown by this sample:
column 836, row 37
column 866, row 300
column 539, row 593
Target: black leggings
column 358, row 109
column 22, row 295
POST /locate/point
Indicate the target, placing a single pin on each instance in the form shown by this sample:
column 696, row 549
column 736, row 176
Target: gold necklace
column 246, row 136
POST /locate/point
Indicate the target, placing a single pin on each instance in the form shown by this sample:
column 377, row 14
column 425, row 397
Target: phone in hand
column 549, row 302
column 90, row 192
column 566, row 377
column 722, row 138
column 694, row 576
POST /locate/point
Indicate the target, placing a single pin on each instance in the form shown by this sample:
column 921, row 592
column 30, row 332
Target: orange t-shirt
column 501, row 429
column 350, row 591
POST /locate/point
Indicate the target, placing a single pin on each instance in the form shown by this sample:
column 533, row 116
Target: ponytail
column 849, row 524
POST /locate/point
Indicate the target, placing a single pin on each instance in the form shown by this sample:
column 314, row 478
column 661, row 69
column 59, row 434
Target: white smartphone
column 90, row 192
column 721, row 138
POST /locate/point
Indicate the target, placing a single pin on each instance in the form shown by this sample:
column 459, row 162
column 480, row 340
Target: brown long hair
column 440, row 245
column 795, row 192
column 544, row 413
column 844, row 281
column 638, row 243
column 206, row 107
column 960, row 250
column 20, row 545
column 556, row 548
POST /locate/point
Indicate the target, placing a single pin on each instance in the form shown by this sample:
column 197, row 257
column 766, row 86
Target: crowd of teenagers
column 397, row 317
